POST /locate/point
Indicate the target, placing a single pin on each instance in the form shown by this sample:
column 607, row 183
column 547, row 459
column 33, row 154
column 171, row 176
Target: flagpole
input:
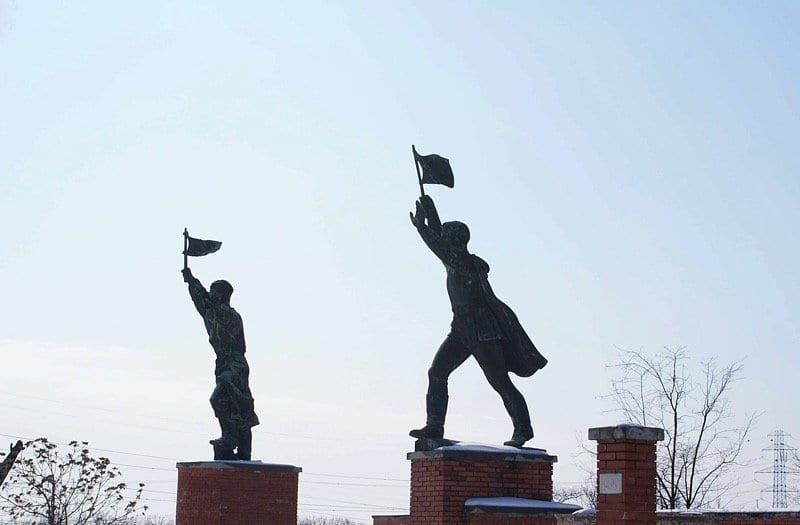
column 419, row 176
column 185, row 248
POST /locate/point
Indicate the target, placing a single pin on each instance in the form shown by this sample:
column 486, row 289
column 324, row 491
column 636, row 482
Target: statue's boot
column 228, row 437
column 428, row 431
column 436, row 407
column 518, row 410
column 520, row 436
column 224, row 445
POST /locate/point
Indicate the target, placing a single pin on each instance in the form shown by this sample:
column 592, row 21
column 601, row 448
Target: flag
column 199, row 247
column 435, row 169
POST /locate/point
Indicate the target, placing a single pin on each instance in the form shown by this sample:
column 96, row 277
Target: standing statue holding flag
column 232, row 401
column 482, row 327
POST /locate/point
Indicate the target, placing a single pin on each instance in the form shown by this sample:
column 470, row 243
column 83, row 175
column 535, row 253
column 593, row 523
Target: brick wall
column 626, row 474
column 442, row 481
column 704, row 518
column 728, row 518
column 236, row 493
column 576, row 519
column 391, row 520
column 477, row 519
column 637, row 462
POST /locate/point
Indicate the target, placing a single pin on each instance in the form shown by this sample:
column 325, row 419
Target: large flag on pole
column 435, row 169
column 200, row 247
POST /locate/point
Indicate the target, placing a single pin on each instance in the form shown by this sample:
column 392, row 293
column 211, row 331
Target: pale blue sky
column 629, row 171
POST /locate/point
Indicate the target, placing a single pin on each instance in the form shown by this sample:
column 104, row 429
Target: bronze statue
column 482, row 326
column 232, row 401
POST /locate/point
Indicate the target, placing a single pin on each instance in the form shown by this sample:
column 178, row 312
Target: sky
column 629, row 171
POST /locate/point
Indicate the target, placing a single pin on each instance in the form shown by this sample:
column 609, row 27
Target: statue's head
column 455, row 233
column 220, row 292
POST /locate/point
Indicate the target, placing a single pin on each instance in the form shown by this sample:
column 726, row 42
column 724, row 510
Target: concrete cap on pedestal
column 627, row 431
column 236, row 464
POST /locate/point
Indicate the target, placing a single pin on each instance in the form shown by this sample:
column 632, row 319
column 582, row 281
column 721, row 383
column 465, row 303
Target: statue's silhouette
column 482, row 326
column 231, row 399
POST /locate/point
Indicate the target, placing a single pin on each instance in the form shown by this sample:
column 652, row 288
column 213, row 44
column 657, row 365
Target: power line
column 164, row 458
column 173, row 469
column 350, row 484
column 355, row 477
column 381, row 507
column 150, row 417
column 334, row 505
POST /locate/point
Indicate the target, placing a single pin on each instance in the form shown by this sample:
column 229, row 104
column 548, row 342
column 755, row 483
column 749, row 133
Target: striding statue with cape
column 482, row 327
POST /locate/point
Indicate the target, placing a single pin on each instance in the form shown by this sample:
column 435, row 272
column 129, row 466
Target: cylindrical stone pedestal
column 442, row 480
column 236, row 493
column 626, row 474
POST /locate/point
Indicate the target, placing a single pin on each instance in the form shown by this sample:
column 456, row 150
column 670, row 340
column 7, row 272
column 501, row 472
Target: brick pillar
column 236, row 493
column 443, row 479
column 626, row 474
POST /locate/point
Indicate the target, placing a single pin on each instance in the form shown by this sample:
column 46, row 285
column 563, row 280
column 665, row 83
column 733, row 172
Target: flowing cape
column 519, row 352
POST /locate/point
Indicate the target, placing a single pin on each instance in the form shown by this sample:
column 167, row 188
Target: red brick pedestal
column 463, row 485
column 626, row 474
column 236, row 493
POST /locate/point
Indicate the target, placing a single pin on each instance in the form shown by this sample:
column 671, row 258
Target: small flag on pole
column 196, row 247
column 435, row 169
column 200, row 247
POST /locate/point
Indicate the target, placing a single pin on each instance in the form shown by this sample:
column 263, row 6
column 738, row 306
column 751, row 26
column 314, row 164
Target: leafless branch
column 702, row 443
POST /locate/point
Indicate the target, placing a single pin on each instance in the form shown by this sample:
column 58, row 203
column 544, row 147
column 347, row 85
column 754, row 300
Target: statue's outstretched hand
column 418, row 217
column 187, row 275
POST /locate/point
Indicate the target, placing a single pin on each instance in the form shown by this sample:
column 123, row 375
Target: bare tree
column 158, row 520
column 583, row 493
column 326, row 521
column 48, row 486
column 702, row 441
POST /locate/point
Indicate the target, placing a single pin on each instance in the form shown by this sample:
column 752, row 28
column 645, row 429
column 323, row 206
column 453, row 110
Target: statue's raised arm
column 441, row 239
column 197, row 291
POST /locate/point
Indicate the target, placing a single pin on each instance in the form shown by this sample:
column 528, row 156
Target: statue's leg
column 223, row 451
column 245, row 446
column 451, row 354
column 221, row 403
column 489, row 355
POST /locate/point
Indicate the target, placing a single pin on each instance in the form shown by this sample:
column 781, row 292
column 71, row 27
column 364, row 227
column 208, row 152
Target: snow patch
column 481, row 447
column 520, row 503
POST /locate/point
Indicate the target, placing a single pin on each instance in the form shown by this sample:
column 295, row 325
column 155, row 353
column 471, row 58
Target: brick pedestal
column 442, row 480
column 626, row 474
column 236, row 493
